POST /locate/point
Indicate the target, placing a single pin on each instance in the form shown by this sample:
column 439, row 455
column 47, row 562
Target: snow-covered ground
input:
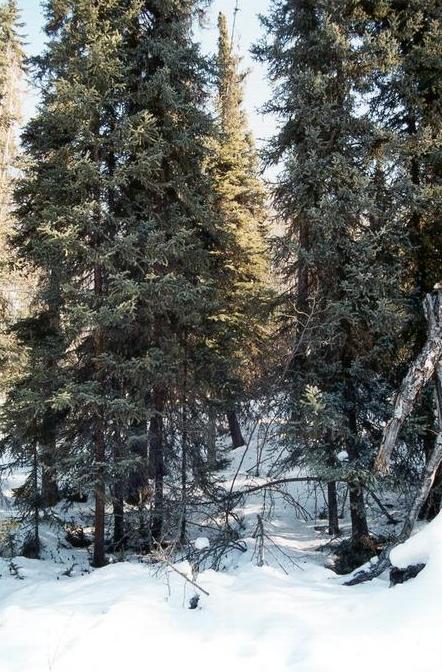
column 291, row 614
column 125, row 617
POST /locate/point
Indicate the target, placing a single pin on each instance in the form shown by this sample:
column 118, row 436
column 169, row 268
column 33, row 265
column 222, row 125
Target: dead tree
column 420, row 372
column 427, row 365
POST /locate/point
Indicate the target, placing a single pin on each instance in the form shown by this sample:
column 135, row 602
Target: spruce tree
column 401, row 44
column 116, row 212
column 72, row 397
column 241, row 202
column 181, row 233
column 340, row 301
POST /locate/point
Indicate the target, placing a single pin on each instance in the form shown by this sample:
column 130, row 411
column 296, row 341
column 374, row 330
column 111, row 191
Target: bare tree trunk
column 156, row 456
column 99, row 559
column 384, row 559
column 417, row 377
column 211, row 439
column 50, row 495
column 332, row 502
column 359, row 526
column 235, row 429
column 184, row 459
column 117, row 500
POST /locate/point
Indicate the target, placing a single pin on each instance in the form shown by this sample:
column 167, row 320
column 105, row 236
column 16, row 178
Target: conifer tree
column 67, row 229
column 180, row 229
column 241, row 201
column 336, row 250
column 116, row 212
column 402, row 48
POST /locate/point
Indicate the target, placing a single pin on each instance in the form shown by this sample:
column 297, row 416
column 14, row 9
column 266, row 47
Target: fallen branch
column 161, row 558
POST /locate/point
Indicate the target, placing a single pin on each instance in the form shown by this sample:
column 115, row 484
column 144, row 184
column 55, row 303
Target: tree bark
column 118, row 500
column 332, row 502
column 235, row 429
column 433, row 503
column 156, row 455
column 417, row 377
column 359, row 526
column 50, row 495
column 99, row 559
column 434, row 463
column 211, row 439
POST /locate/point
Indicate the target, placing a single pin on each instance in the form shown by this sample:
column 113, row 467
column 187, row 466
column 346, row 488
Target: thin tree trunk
column 156, row 454
column 211, row 439
column 433, row 503
column 118, row 501
column 235, row 429
column 50, row 495
column 415, row 375
column 184, row 453
column 99, row 559
column 359, row 525
column 332, row 503
column 35, row 543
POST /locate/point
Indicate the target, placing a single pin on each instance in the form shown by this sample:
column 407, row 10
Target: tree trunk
column 99, row 559
column 156, row 455
column 417, row 377
column 118, row 501
column 433, row 503
column 332, row 502
column 359, row 526
column 50, row 495
column 416, row 374
column 183, row 476
column 235, row 429
column 211, row 439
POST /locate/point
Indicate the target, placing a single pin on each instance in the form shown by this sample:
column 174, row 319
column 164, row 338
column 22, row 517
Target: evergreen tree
column 180, row 230
column 116, row 212
column 241, row 201
column 337, row 249
column 402, row 50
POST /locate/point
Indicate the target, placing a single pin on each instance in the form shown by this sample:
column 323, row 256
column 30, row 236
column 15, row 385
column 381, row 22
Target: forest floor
column 290, row 615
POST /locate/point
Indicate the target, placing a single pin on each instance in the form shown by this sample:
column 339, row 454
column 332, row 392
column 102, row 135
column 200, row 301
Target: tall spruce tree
column 337, row 249
column 116, row 212
column 180, row 231
column 241, row 201
column 72, row 397
column 404, row 61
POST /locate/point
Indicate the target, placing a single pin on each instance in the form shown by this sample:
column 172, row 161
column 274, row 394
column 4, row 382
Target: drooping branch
column 420, row 372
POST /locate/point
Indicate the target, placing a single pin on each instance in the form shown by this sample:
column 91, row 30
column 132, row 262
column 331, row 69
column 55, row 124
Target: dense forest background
column 160, row 298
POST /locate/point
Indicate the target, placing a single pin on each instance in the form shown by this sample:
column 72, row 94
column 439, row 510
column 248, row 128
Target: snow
column 258, row 619
column 424, row 547
column 290, row 615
